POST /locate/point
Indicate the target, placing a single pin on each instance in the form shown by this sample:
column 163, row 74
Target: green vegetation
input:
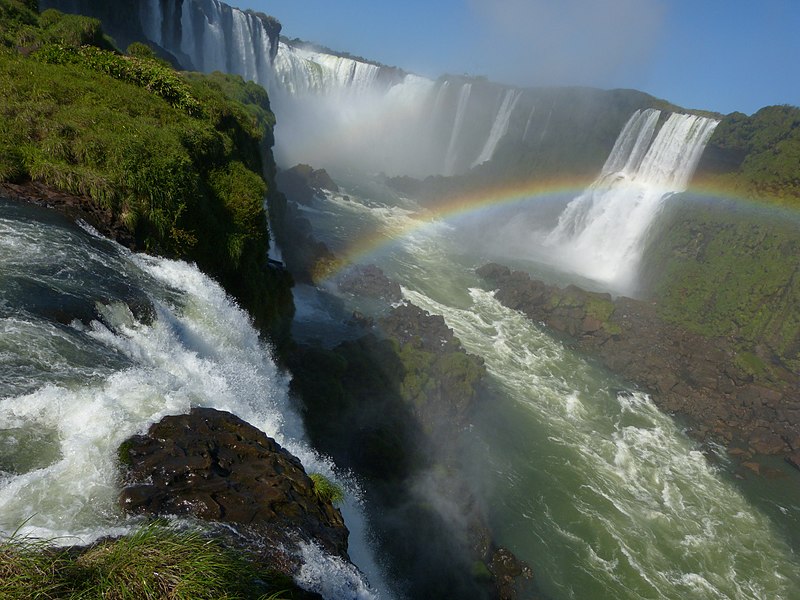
column 725, row 270
column 431, row 380
column 153, row 563
column 756, row 156
column 326, row 490
column 177, row 158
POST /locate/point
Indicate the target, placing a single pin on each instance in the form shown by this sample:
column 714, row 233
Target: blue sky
column 721, row 55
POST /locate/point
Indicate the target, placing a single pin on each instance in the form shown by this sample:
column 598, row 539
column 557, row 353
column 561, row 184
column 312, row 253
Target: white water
column 500, row 125
column 601, row 233
column 587, row 480
column 451, row 154
column 85, row 388
column 336, row 111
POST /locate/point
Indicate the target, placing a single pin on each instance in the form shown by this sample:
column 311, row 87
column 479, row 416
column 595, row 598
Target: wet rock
column 794, row 459
column 214, row 466
column 763, row 441
column 509, row 573
column 371, row 282
column 302, row 183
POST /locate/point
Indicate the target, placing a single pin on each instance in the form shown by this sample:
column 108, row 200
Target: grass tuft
column 326, row 490
column 154, row 563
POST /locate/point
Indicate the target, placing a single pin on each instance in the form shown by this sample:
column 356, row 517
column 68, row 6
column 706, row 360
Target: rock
column 752, row 466
column 214, row 466
column 794, row 459
column 302, row 183
column 507, row 571
column 763, row 441
column 371, row 282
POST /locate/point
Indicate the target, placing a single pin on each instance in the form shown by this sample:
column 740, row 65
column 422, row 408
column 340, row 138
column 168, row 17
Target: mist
column 584, row 42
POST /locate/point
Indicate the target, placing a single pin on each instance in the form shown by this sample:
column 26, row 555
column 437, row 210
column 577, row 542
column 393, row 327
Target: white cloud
column 569, row 41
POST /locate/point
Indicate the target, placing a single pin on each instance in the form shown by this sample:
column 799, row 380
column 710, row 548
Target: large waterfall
column 333, row 110
column 601, row 233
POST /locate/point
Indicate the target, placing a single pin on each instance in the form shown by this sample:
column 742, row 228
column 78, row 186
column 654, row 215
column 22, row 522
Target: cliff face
column 731, row 270
column 757, row 156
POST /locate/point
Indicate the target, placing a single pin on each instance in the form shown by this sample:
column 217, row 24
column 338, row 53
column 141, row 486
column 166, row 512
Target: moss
column 480, row 572
column 751, row 364
column 757, row 155
column 179, row 159
column 722, row 270
column 124, row 453
column 599, row 308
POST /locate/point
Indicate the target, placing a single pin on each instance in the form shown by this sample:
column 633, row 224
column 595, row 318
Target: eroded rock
column 214, row 466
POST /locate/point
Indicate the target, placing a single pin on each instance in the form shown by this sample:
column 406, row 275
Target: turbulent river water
column 585, row 478
column 97, row 343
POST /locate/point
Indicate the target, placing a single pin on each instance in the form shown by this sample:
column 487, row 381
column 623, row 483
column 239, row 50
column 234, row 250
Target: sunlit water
column 585, row 478
column 72, row 389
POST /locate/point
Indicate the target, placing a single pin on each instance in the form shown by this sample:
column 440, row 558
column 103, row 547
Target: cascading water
column 451, row 155
column 500, row 125
column 80, row 372
column 334, row 111
column 583, row 477
column 601, row 232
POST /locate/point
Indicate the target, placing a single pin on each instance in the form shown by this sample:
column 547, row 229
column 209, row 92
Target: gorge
column 461, row 430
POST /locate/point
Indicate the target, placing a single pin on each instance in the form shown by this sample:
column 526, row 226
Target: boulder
column 371, row 282
column 214, row 466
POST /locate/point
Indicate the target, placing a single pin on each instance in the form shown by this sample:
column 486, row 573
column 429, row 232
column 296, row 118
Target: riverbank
column 687, row 374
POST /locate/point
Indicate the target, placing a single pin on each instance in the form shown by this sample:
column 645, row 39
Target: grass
column 153, row 563
column 178, row 158
column 326, row 490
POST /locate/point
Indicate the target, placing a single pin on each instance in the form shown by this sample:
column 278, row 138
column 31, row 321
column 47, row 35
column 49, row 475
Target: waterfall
column 600, row 233
column 528, row 124
column 70, row 393
column 499, row 126
column 333, row 110
column 299, row 71
column 458, row 124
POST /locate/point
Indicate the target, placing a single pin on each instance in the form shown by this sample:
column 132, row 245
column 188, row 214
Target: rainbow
column 480, row 199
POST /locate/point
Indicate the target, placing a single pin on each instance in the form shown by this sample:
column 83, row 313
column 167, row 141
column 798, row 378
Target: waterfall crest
column 601, row 232
column 336, row 110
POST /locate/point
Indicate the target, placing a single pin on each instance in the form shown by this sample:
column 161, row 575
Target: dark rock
column 302, row 183
column 371, row 282
column 509, row 573
column 214, row 466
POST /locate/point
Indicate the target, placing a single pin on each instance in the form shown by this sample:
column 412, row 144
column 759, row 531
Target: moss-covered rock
column 757, row 156
column 179, row 163
column 723, row 269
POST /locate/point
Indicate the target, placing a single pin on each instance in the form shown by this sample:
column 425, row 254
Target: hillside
column 756, row 156
column 181, row 162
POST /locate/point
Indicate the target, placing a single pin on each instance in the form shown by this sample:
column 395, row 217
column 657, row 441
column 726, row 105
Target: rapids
column 96, row 344
column 585, row 478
